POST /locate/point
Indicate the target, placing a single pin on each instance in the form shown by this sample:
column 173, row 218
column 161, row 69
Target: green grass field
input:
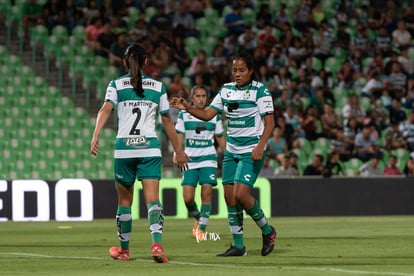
column 380, row 245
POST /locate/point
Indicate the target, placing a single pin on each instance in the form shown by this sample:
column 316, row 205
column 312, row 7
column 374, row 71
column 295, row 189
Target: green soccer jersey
column 199, row 139
column 136, row 135
column 244, row 109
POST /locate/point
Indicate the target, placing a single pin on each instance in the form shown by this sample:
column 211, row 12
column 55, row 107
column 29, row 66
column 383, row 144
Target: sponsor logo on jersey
column 141, row 140
column 193, row 142
column 148, row 83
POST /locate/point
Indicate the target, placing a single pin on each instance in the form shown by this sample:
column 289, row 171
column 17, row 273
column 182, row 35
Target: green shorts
column 128, row 169
column 206, row 175
column 241, row 168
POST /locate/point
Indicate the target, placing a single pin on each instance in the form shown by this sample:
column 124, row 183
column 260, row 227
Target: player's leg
column 245, row 178
column 125, row 178
column 149, row 173
column 235, row 217
column 208, row 179
column 189, row 184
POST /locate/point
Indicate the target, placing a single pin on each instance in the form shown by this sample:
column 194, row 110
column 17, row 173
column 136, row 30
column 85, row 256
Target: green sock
column 236, row 228
column 124, row 225
column 155, row 220
column 258, row 216
column 205, row 214
column 193, row 210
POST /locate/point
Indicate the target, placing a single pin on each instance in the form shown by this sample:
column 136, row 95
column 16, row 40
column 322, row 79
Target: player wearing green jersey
column 248, row 107
column 202, row 165
column 137, row 99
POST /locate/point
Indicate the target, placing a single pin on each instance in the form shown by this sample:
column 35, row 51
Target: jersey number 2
column 134, row 130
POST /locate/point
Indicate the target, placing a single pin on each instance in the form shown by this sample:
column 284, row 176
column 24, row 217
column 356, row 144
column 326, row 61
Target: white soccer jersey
column 244, row 109
column 136, row 135
column 199, row 139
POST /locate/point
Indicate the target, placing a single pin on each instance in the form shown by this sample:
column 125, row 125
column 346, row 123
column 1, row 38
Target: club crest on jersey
column 246, row 95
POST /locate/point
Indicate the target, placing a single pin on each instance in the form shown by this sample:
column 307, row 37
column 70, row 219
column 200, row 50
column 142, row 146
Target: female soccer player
column 202, row 165
column 137, row 99
column 248, row 107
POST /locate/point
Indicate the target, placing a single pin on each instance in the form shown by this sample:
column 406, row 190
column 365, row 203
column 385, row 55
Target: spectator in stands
column 247, row 40
column 198, row 63
column 409, row 167
column 383, row 42
column 377, row 65
column 266, row 40
column 296, row 53
column 309, row 121
column 370, row 168
column 163, row 56
column 297, row 101
column 392, row 168
column 408, row 18
column 330, row 121
column 277, row 59
column 318, row 100
column 286, row 168
column 116, row 52
column 302, row 83
column 286, row 129
column 323, row 41
column 340, row 143
column 343, row 38
column 265, row 77
column 197, row 7
column 396, row 113
column 293, row 119
column 347, row 75
column 234, row 21
column 181, row 57
column 282, row 81
column 302, row 14
column 93, row 31
column 277, row 145
column 374, row 87
column 53, row 14
column 32, row 15
column 316, row 167
column 378, row 114
column 217, row 61
column 333, row 167
column 182, row 17
column 281, row 17
column 90, row 11
column 264, row 16
column 397, row 81
column 322, row 80
column 393, row 137
column 351, row 129
column 286, row 37
column 366, row 144
column 407, row 130
column 177, row 88
column 139, row 31
column 282, row 101
column 353, row 109
column 401, row 36
column 161, row 21
column 361, row 41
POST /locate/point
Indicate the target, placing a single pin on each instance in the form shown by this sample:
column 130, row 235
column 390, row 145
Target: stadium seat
column 352, row 166
column 38, row 36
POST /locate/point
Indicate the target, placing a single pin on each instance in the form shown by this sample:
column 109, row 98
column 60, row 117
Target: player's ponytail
column 135, row 56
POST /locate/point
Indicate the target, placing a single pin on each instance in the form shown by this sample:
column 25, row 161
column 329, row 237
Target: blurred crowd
column 342, row 76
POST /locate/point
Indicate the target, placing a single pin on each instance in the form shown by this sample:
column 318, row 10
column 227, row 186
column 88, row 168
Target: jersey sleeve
column 179, row 126
column 217, row 102
column 264, row 101
column 111, row 94
column 164, row 104
column 219, row 131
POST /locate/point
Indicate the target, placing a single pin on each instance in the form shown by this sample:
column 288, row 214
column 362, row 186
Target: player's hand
column 257, row 154
column 179, row 102
column 94, row 150
column 181, row 160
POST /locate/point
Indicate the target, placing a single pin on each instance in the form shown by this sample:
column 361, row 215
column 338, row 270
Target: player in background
column 137, row 98
column 198, row 137
column 249, row 110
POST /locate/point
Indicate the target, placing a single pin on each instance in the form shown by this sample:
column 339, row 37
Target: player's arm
column 269, row 124
column 180, row 155
column 202, row 114
column 101, row 119
column 221, row 142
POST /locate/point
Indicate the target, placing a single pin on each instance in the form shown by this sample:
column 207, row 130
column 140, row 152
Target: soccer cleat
column 158, row 254
column 195, row 228
column 268, row 242
column 119, row 254
column 233, row 252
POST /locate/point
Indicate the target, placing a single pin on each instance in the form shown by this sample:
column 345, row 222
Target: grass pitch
column 380, row 245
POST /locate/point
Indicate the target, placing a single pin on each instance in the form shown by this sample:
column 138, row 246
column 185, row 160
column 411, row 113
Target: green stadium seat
column 351, row 166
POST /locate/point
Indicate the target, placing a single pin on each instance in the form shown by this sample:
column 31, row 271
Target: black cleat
column 268, row 242
column 233, row 252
